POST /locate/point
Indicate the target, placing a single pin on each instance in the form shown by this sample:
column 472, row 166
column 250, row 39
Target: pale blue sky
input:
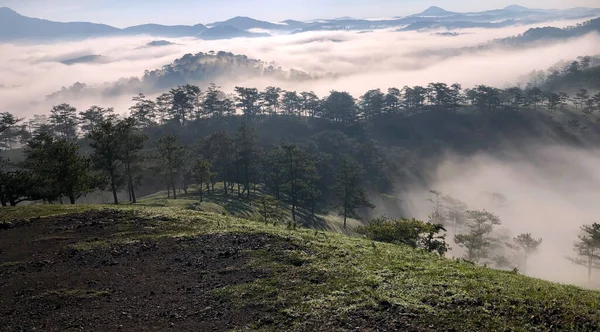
column 131, row 12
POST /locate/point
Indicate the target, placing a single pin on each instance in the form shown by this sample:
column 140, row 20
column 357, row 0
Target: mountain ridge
column 17, row 27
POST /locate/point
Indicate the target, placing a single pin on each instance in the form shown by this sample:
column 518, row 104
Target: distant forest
column 197, row 68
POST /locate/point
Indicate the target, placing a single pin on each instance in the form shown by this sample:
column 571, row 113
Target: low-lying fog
column 549, row 191
column 378, row 59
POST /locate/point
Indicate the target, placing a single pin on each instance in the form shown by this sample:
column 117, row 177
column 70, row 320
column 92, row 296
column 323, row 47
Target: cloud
column 361, row 61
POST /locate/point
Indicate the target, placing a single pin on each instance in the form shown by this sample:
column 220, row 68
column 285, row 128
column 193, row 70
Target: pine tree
column 132, row 141
column 170, row 153
column 349, row 190
column 107, row 151
column 58, row 164
column 478, row 242
column 202, row 175
column 63, row 119
column 587, row 248
column 527, row 246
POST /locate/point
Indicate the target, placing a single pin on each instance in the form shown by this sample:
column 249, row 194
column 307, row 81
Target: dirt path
column 146, row 285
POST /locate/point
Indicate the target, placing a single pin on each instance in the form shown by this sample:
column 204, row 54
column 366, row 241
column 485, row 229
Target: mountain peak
column 435, row 11
column 6, row 10
column 516, row 8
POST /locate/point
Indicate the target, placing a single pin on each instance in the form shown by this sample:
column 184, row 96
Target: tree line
column 299, row 174
column 187, row 103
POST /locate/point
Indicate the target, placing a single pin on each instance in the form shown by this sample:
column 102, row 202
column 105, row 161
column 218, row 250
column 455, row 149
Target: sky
column 122, row 13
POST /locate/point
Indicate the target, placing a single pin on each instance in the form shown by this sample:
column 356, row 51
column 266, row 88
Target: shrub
column 412, row 232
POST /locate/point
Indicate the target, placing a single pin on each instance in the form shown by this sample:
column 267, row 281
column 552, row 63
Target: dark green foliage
column 131, row 142
column 185, row 102
column 170, row 156
column 58, row 168
column 248, row 100
column 247, row 155
column 340, row 107
column 271, row 99
column 144, row 111
column 9, row 130
column 64, row 121
column 91, row 117
column 106, row 142
column 411, row 232
column 216, row 103
column 20, row 186
column 7, row 121
column 349, row 192
column 202, row 174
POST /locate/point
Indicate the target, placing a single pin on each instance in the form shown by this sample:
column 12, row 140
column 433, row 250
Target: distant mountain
column 455, row 25
column 14, row 26
column 83, row 59
column 293, row 24
column 516, row 8
column 165, row 30
column 246, row 23
column 435, row 12
column 228, row 32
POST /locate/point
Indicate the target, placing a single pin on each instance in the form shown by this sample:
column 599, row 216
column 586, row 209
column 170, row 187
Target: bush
column 412, row 232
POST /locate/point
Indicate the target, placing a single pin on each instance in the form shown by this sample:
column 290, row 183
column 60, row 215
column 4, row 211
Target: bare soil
column 49, row 285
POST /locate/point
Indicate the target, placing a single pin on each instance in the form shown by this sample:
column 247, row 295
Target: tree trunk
column 185, row 184
column 133, row 199
column 225, row 186
column 72, row 199
column 247, row 170
column 345, row 216
column 345, row 199
column 114, row 192
column 60, row 200
column 589, row 269
column 201, row 192
column 130, row 185
column 173, row 184
column 128, row 190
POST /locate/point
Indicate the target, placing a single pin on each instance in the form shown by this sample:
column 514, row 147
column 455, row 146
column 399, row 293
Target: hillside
column 160, row 265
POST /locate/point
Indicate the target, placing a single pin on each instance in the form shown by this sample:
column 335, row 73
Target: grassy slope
column 328, row 279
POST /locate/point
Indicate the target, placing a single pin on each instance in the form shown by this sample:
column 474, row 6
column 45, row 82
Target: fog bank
column 549, row 191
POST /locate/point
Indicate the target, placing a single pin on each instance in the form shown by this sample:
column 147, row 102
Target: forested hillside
column 200, row 68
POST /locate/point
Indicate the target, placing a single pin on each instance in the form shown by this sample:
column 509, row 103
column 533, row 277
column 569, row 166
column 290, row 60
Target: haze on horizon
column 177, row 12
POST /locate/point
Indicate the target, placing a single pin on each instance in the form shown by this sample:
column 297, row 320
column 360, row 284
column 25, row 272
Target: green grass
column 327, row 278
column 8, row 214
